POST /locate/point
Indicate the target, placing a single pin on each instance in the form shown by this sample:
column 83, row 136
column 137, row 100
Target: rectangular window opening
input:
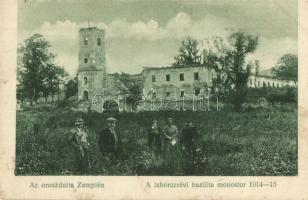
column 168, row 77
column 196, row 76
column 182, row 77
column 182, row 94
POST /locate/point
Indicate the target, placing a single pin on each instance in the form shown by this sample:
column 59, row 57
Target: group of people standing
column 166, row 143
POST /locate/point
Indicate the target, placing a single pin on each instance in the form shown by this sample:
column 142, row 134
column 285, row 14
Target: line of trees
column 37, row 74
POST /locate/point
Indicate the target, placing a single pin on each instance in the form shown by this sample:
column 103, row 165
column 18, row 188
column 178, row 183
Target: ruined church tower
column 92, row 63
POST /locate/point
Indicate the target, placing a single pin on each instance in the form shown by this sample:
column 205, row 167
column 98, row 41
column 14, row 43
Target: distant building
column 261, row 79
column 177, row 82
column 192, row 81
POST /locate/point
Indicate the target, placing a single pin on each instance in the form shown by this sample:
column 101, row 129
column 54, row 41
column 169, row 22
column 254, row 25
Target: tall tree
column 287, row 67
column 47, row 78
column 228, row 57
column 37, row 73
column 188, row 53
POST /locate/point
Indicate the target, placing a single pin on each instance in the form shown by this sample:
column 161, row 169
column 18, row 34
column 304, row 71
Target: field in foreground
column 256, row 142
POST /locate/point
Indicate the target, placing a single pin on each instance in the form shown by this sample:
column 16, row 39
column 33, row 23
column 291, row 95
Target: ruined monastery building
column 165, row 82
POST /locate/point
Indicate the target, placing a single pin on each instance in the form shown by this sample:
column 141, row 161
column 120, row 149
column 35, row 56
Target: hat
column 155, row 121
column 111, row 119
column 79, row 121
column 170, row 118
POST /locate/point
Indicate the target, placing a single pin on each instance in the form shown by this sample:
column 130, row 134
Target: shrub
column 273, row 95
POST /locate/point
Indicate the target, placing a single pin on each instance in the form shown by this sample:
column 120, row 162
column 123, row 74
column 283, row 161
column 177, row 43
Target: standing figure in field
column 188, row 141
column 109, row 141
column 171, row 138
column 79, row 140
column 155, row 138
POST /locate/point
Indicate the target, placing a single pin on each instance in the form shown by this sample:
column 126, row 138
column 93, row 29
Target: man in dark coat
column 155, row 138
column 109, row 141
column 188, row 140
column 79, row 139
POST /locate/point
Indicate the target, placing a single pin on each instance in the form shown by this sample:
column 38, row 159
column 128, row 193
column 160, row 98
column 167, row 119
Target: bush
column 273, row 95
column 67, row 103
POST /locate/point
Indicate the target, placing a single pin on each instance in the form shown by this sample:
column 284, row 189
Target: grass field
column 257, row 142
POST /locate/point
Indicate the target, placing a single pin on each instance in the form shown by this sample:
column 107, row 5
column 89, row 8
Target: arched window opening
column 85, row 95
column 85, row 80
column 99, row 42
column 86, row 41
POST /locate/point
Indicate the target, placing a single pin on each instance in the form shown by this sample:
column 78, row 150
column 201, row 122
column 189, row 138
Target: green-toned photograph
column 157, row 88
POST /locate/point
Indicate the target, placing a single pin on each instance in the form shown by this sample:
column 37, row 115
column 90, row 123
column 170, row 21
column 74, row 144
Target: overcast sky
column 148, row 33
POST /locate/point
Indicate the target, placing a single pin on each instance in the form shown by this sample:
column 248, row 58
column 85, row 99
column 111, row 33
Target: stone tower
column 92, row 63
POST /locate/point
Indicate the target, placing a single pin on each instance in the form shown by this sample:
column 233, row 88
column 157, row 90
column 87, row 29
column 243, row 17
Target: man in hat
column 109, row 141
column 79, row 139
column 155, row 138
column 188, row 141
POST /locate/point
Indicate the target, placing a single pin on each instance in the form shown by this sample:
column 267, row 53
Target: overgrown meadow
column 260, row 141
